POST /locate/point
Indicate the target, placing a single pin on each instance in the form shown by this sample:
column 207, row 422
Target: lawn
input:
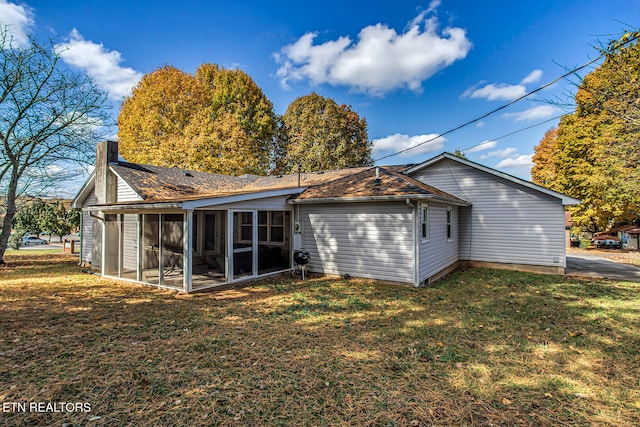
column 482, row 347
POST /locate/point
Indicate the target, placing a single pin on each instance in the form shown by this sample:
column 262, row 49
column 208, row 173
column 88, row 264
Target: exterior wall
column 507, row 223
column 371, row 240
column 87, row 229
column 126, row 193
column 130, row 242
column 438, row 252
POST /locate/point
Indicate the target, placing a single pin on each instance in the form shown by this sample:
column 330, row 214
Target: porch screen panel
column 274, row 241
column 151, row 249
column 172, row 250
column 112, row 245
column 129, row 266
column 242, row 244
column 211, row 262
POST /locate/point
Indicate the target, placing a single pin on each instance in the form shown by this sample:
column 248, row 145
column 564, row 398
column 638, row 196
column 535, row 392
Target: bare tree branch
column 50, row 117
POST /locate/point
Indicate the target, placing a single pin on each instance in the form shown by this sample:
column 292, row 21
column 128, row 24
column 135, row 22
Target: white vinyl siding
column 86, row 234
column 507, row 222
column 126, row 193
column 130, row 242
column 371, row 240
column 439, row 252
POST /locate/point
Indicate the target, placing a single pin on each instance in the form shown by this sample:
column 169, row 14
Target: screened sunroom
column 195, row 249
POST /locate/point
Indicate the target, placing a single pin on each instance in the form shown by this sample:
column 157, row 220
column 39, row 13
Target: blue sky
column 413, row 69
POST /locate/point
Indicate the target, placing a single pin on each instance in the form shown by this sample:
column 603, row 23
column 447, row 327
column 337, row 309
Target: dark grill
column 301, row 259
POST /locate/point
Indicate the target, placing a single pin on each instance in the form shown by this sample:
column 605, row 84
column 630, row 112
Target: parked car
column 33, row 240
column 607, row 241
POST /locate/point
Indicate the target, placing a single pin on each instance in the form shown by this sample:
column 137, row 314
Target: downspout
column 416, row 253
column 81, row 237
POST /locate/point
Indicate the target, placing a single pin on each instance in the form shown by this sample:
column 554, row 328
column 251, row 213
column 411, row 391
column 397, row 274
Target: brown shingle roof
column 364, row 184
column 155, row 183
column 161, row 184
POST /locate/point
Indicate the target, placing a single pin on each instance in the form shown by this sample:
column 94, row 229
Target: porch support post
column 103, row 242
column 186, row 250
column 140, row 247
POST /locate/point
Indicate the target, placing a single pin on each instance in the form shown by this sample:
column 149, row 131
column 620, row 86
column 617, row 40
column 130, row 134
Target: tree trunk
column 8, row 217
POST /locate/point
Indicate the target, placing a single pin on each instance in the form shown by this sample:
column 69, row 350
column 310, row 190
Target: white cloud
column 502, row 91
column 533, row 77
column 535, row 113
column 100, row 64
column 398, row 142
column 19, row 21
column 520, row 162
column 480, row 124
column 54, row 169
column 509, row 151
column 485, row 145
column 381, row 60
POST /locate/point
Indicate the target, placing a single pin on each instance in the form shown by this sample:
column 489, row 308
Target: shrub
column 15, row 240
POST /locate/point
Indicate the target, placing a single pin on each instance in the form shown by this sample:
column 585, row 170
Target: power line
column 477, row 119
column 516, row 131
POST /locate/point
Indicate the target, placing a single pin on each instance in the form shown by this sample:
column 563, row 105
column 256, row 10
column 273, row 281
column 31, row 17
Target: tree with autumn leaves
column 594, row 153
column 318, row 134
column 219, row 120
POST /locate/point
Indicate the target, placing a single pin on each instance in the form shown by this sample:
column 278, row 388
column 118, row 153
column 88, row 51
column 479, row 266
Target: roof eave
column 134, row 206
column 195, row 204
column 84, row 191
column 199, row 203
column 364, row 199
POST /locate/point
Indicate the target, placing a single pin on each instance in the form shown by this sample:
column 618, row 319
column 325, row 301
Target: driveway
column 597, row 266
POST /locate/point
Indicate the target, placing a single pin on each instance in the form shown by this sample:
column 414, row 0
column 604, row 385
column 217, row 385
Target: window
column 424, row 220
column 263, row 226
column 449, row 215
column 277, row 227
column 271, row 227
column 246, row 226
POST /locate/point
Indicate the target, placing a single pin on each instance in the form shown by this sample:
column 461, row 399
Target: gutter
column 134, row 206
column 426, row 197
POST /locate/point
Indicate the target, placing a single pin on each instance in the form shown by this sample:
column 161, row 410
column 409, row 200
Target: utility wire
column 516, row 131
column 477, row 119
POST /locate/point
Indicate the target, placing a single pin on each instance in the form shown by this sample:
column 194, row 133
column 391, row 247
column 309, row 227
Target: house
column 190, row 230
column 604, row 240
column 628, row 235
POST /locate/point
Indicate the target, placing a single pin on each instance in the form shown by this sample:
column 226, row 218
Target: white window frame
column 270, row 225
column 449, row 224
column 425, row 222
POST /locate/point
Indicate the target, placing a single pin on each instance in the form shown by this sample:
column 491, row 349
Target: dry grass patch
column 482, row 347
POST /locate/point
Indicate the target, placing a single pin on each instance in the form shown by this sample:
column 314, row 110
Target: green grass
column 479, row 348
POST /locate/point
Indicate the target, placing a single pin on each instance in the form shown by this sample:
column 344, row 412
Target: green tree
column 595, row 152
column 31, row 218
column 318, row 134
column 61, row 221
column 48, row 115
column 459, row 153
column 217, row 120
